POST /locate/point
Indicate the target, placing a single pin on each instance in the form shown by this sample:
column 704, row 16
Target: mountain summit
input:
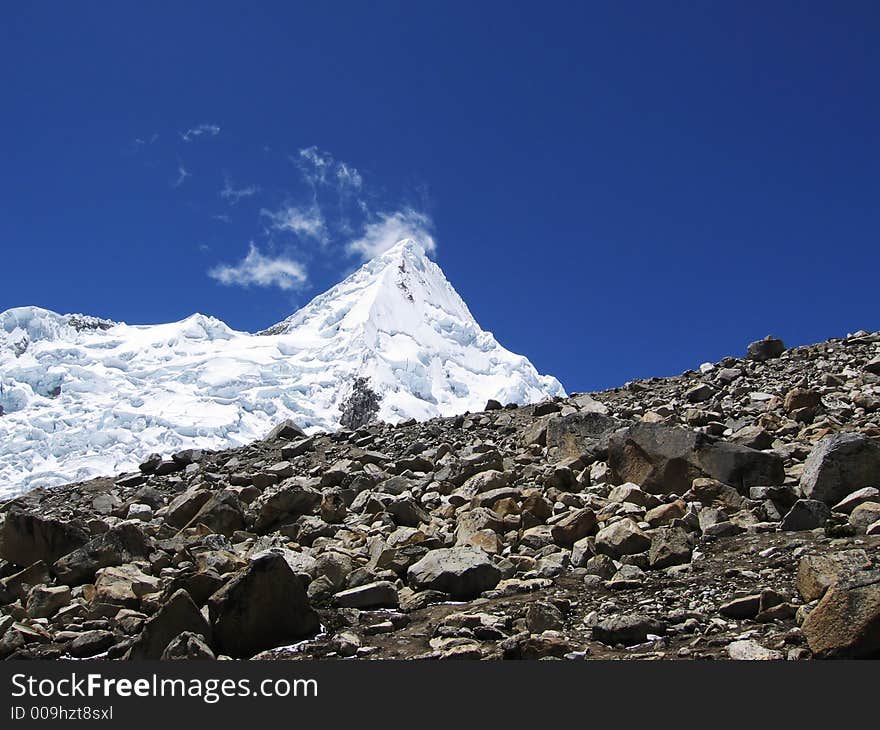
column 82, row 396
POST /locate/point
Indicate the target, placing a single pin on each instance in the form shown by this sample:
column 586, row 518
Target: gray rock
column 282, row 503
column 767, row 349
column 865, row 515
column 846, row 622
column 816, row 573
column 806, row 514
column 177, row 614
column 26, row 538
column 286, row 430
column 44, row 602
column 463, row 572
column 188, row 646
column 669, row 546
column 623, row 537
column 750, row 650
column 849, row 503
column 380, row 594
column 839, row 465
column 121, row 544
column 263, row 606
column 91, row 643
column 628, row 629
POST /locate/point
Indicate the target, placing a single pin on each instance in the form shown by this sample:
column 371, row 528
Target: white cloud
column 304, row 222
column 348, row 177
column 319, row 168
column 233, row 195
column 391, row 228
column 257, row 269
column 198, row 131
column 182, row 175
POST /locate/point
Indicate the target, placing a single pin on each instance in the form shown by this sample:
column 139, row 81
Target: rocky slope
column 730, row 512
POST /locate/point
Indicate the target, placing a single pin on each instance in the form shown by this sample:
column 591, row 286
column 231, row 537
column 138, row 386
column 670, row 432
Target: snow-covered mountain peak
column 82, row 396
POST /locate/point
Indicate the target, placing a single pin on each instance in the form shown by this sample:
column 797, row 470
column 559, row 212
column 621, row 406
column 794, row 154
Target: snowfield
column 83, row 397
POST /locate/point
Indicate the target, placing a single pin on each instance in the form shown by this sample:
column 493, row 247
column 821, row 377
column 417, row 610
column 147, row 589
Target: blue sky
column 617, row 190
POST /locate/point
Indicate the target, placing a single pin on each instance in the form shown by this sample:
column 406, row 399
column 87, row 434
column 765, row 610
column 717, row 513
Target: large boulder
column 740, row 466
column 817, row 573
column 628, row 629
column 286, row 430
column 185, row 506
column 222, row 513
column 669, row 546
column 805, row 514
column 283, row 503
column 574, row 526
column 623, row 537
column 263, row 606
column 123, row 543
column 380, row 594
column 666, row 459
column 463, row 572
column 579, row 433
column 839, row 465
column 660, row 459
column 767, row 349
column 846, row 623
column 26, row 538
column 177, row 614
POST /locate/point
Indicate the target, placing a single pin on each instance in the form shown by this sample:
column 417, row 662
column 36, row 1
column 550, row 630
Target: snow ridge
column 83, row 397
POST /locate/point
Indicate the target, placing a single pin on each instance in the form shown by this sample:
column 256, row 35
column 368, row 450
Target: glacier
column 83, row 397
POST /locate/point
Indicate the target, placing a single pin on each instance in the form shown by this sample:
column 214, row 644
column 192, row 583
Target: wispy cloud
column 319, row 168
column 390, row 228
column 182, row 175
column 234, row 195
column 257, row 269
column 304, row 222
column 194, row 132
column 141, row 142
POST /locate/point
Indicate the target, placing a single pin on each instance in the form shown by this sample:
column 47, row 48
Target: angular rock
column 865, row 515
column 628, row 629
column 381, row 594
column 44, row 602
column 816, row 573
column 839, row 465
column 806, row 514
column 265, row 605
column 188, row 646
column 623, row 537
column 286, row 430
column 578, row 433
column 463, row 572
column 91, row 643
column 574, row 526
column 222, row 513
column 185, row 506
column 283, row 503
column 849, row 503
column 26, row 538
column 767, row 349
column 669, row 546
column 846, row 622
column 750, row 650
column 176, row 615
column 123, row 543
column 124, row 585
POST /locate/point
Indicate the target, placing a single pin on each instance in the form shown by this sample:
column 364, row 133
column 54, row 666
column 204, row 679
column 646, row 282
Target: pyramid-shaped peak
column 405, row 248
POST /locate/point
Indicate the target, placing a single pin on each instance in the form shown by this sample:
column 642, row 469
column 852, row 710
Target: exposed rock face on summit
column 732, row 512
column 81, row 397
